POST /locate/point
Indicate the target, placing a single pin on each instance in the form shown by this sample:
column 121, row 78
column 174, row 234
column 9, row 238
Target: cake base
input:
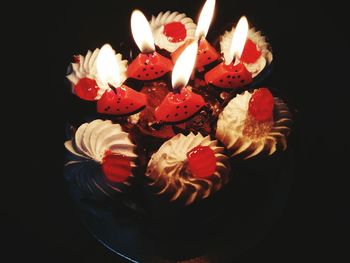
column 245, row 210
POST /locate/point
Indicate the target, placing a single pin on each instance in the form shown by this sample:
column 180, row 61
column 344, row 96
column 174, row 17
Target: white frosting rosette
column 158, row 22
column 85, row 67
column 91, row 143
column 263, row 46
column 169, row 173
column 247, row 138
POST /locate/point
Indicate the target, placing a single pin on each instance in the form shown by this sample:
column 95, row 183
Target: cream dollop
column 260, row 40
column 233, row 121
column 169, row 173
column 92, row 140
column 157, row 25
column 86, row 68
column 90, row 144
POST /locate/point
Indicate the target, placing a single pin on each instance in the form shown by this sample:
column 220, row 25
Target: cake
column 164, row 150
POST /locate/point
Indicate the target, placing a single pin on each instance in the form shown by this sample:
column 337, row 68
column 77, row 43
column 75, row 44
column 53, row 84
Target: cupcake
column 102, row 159
column 256, row 55
column 83, row 76
column 188, row 168
column 254, row 124
column 171, row 30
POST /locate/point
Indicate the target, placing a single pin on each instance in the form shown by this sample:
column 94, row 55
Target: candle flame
column 184, row 66
column 238, row 40
column 108, row 69
column 205, row 19
column 141, row 32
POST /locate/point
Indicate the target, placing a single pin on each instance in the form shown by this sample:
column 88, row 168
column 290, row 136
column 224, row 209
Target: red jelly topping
column 261, row 105
column 175, row 31
column 250, row 53
column 116, row 167
column 86, row 89
column 201, row 161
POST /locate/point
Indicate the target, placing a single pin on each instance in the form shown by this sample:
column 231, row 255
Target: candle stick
column 149, row 64
column 118, row 99
column 206, row 52
column 232, row 73
column 181, row 104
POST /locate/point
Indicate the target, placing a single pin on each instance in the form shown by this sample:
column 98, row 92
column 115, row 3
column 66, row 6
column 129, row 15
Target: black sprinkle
column 177, row 107
column 209, row 58
column 236, row 70
column 228, row 76
column 147, row 74
column 221, row 80
column 238, row 76
column 185, row 106
column 167, row 116
column 138, row 76
column 144, row 69
column 197, row 106
column 186, row 112
column 204, row 52
column 146, row 63
column 242, row 81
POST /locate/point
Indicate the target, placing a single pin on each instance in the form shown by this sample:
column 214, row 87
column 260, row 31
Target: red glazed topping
column 179, row 107
column 206, row 53
column 201, row 161
column 123, row 101
column 149, row 66
column 175, row 32
column 250, row 53
column 116, row 167
column 261, row 105
column 86, row 89
column 228, row 76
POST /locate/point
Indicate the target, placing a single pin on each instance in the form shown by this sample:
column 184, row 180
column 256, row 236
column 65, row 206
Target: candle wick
column 177, row 88
column 112, row 88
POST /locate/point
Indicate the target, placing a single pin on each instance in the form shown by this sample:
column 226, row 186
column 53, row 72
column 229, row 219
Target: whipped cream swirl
column 157, row 25
column 90, row 144
column 85, row 67
column 260, row 40
column 232, row 126
column 169, row 173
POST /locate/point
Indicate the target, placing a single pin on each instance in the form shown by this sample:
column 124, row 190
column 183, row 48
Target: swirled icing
column 157, row 25
column 260, row 40
column 169, row 173
column 90, row 144
column 85, row 67
column 243, row 136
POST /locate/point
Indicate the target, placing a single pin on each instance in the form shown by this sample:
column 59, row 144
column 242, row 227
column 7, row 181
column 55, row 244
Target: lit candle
column 118, row 99
column 149, row 64
column 232, row 73
column 206, row 52
column 181, row 104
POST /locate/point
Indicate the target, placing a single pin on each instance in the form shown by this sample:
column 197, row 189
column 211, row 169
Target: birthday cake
column 172, row 127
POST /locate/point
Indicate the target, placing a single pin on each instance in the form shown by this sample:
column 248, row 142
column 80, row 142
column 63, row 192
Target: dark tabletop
column 310, row 45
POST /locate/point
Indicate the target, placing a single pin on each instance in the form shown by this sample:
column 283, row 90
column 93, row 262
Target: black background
column 311, row 50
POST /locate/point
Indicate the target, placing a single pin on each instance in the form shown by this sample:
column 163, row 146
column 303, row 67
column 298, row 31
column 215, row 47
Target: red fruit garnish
column 250, row 53
column 179, row 107
column 229, row 76
column 86, row 89
column 175, row 32
column 122, row 101
column 116, row 167
column 261, row 105
column 201, row 161
column 149, row 66
column 206, row 53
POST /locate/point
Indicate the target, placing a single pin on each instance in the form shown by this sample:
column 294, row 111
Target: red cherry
column 175, row 32
column 86, row 89
column 116, row 167
column 261, row 105
column 201, row 161
column 250, row 53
